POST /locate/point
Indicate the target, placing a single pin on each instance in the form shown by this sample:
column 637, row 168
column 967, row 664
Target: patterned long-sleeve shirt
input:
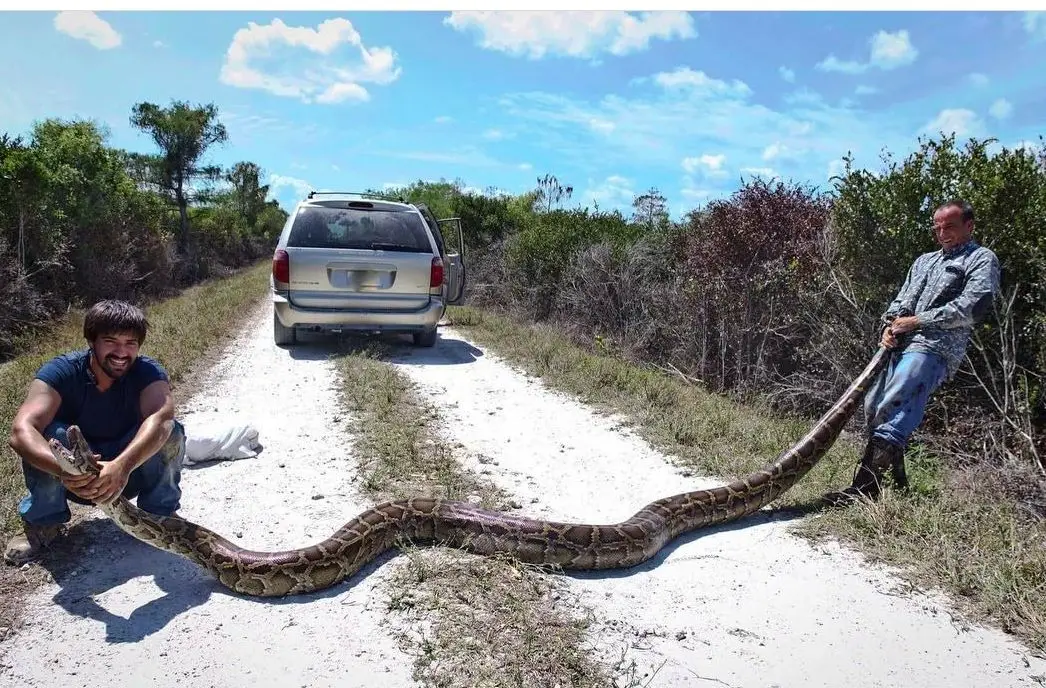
column 950, row 292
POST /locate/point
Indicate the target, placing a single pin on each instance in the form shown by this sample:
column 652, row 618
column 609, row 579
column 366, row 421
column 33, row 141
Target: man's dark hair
column 112, row 317
column 966, row 208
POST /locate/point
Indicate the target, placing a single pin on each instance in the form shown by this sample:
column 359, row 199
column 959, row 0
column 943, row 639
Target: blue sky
column 612, row 103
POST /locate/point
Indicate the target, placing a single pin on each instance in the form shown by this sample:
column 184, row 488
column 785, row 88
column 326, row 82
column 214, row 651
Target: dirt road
column 748, row 605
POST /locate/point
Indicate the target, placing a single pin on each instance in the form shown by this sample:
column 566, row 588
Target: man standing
column 122, row 403
column 928, row 327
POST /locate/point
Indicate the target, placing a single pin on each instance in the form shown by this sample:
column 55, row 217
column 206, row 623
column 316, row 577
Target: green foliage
column 81, row 220
column 651, row 210
column 183, row 134
column 883, row 221
column 777, row 290
column 545, row 245
column 550, row 192
column 486, row 218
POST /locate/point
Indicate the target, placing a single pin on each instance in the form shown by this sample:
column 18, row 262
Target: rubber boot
column 27, row 546
column 879, row 456
column 897, row 470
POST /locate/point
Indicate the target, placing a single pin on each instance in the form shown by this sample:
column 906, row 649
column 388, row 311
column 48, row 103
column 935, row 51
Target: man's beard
column 108, row 365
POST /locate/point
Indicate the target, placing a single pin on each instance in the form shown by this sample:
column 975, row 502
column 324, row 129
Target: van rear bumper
column 419, row 320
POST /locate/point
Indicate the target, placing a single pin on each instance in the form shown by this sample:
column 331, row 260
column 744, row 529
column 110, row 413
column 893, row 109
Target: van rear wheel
column 426, row 338
column 283, row 336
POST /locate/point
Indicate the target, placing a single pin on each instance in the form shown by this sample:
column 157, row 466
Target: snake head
column 78, row 461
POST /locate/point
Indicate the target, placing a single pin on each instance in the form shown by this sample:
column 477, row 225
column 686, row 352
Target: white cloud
column 299, row 187
column 766, row 172
column 462, row 155
column 887, row 51
column 836, row 168
column 489, row 191
column 692, row 193
column 653, row 124
column 1001, row 109
column 601, row 126
column 834, row 64
column 87, row 26
column 959, row 121
column 614, row 192
column 863, row 90
column 804, row 96
column 786, row 74
column 580, row 34
column 708, row 165
column 306, row 63
column 697, row 82
column 978, row 79
column 260, row 127
column 782, row 151
column 1035, row 24
column 891, row 50
column 444, row 119
column 525, row 166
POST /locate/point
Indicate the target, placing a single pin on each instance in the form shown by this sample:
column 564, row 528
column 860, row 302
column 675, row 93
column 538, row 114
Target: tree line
column 775, row 292
column 82, row 220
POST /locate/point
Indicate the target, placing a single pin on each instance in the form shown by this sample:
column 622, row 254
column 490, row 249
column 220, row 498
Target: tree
column 551, row 192
column 183, row 134
column 248, row 193
column 651, row 209
column 22, row 179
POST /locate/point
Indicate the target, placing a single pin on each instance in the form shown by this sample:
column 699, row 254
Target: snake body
column 481, row 531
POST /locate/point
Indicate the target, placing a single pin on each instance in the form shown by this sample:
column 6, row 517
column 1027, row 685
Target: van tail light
column 281, row 266
column 436, row 274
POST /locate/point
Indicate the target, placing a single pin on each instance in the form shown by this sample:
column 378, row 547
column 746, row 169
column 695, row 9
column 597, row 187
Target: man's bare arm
column 36, row 413
column 27, row 440
column 157, row 408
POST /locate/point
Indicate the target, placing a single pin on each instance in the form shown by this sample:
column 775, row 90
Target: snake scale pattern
column 459, row 524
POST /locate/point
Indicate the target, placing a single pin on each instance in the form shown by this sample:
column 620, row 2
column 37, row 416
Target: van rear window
column 388, row 230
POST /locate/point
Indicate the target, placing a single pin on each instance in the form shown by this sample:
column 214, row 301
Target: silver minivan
column 364, row 263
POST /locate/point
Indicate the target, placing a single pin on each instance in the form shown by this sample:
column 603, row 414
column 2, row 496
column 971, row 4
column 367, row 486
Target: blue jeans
column 896, row 402
column 155, row 483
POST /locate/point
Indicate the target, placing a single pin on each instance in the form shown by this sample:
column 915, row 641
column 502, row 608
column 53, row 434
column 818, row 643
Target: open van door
column 455, row 259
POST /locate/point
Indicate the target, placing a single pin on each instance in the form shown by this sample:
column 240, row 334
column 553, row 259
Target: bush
column 80, row 221
column 777, row 290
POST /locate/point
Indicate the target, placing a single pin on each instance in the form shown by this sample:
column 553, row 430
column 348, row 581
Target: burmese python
column 433, row 520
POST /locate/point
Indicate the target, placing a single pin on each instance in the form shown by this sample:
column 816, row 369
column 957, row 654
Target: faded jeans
column 156, row 483
column 896, row 402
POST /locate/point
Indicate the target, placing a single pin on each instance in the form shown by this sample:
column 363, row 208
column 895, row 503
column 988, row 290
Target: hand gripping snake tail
column 459, row 524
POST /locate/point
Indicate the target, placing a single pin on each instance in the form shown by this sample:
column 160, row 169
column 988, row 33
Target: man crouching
column 122, row 403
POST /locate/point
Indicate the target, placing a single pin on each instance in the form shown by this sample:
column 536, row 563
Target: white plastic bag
column 212, row 440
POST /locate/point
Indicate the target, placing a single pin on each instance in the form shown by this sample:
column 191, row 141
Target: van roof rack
column 361, row 194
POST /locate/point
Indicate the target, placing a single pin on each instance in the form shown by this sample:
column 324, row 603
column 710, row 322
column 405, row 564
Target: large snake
column 481, row 531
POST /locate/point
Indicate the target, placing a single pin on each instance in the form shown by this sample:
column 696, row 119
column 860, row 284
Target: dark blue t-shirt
column 103, row 417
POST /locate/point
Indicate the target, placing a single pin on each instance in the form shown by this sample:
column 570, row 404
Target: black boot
column 900, row 476
column 879, row 455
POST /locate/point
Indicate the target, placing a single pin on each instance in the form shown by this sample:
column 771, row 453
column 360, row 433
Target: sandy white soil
column 743, row 606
